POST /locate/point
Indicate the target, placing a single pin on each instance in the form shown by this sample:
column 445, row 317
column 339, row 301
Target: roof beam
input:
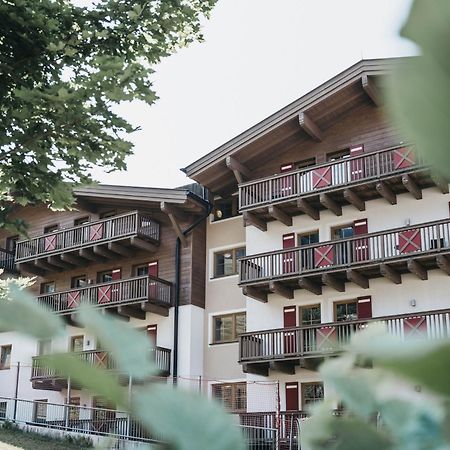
column 412, row 186
column 253, row 292
column 240, row 171
column 309, row 126
column 304, row 206
column 354, row 199
column 278, row 288
column 371, row 90
column 310, row 285
column 386, row 192
column 330, row 204
column 251, row 219
column 175, row 217
column 278, row 214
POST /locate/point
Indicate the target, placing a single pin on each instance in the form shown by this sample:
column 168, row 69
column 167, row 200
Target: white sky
column 258, row 56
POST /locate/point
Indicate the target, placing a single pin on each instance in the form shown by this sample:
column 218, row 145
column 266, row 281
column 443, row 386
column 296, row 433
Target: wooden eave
column 324, row 106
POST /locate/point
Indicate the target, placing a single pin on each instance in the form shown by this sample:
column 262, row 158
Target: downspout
column 208, row 209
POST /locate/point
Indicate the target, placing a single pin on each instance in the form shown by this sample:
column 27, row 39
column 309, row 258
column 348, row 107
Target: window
column 307, row 255
column 76, row 343
column 81, row 221
column 74, row 412
column 341, row 154
column 78, row 281
column 44, row 347
column 228, row 327
column 11, row 243
column 232, row 395
column 308, row 238
column 104, row 277
column 305, row 163
column 48, row 288
column 107, row 214
column 345, row 311
column 5, row 356
column 310, row 315
column 40, row 410
column 343, row 232
column 3, row 406
column 103, row 413
column 311, row 393
column 225, row 263
column 226, row 208
column 50, row 229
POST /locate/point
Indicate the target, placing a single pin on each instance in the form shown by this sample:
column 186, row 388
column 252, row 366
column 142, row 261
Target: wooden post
column 16, row 391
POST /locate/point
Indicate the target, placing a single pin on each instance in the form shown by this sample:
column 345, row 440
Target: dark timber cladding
column 342, row 112
column 115, row 228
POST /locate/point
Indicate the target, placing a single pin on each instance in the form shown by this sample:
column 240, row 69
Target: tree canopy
column 63, row 67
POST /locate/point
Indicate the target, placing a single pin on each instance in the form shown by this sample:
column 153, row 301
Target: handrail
column 90, row 233
column 429, row 237
column 308, row 340
column 341, row 172
column 131, row 290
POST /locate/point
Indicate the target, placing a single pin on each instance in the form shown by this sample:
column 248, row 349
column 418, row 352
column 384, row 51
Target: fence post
column 67, row 409
column 130, row 386
column 199, row 384
column 16, row 391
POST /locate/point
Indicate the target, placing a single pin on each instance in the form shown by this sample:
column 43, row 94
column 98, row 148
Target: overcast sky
column 258, row 56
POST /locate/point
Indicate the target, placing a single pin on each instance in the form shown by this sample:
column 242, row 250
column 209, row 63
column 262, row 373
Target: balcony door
column 307, row 254
column 109, row 292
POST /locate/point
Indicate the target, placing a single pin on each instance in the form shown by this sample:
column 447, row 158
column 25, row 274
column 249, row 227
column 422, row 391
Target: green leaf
column 130, row 349
column 186, row 420
column 22, row 313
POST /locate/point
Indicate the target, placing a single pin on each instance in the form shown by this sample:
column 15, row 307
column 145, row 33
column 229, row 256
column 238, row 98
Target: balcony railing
column 325, row 177
column 327, row 338
column 93, row 233
column 368, row 249
column 7, row 261
column 120, row 292
column 97, row 358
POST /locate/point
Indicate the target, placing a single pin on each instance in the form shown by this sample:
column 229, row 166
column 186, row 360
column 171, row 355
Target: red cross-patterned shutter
column 116, row 274
column 357, row 165
column 288, row 257
column 291, row 389
column 365, row 307
column 151, row 333
column 153, row 269
column 361, row 245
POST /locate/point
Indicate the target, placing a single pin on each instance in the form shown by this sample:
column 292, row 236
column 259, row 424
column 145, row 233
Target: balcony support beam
column 357, row 278
column 332, row 282
column 310, row 285
column 241, row 172
column 278, row 214
column 251, row 219
column 276, row 287
column 354, row 199
column 55, row 261
column 416, row 268
column 371, row 90
column 119, row 249
column 440, row 183
column 41, row 264
column 331, row 204
column 102, row 251
column 155, row 309
column 87, row 253
column 390, row 273
column 175, row 217
column 253, row 292
column 386, row 192
column 143, row 245
column 304, row 206
column 287, row 367
column 411, row 186
column 443, row 263
column 30, row 268
column 256, row 368
column 129, row 311
column 73, row 259
column 309, row 127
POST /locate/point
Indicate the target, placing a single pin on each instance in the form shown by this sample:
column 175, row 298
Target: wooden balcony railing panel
column 372, row 248
column 328, row 176
column 120, row 292
column 328, row 338
column 7, row 260
column 89, row 234
column 98, row 358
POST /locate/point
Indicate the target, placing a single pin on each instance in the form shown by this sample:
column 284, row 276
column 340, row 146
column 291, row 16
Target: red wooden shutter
column 153, row 269
column 151, row 333
column 116, row 274
column 284, row 186
column 289, row 257
column 290, row 320
column 286, row 167
column 357, row 165
column 365, row 307
column 115, row 288
column 361, row 249
column 291, row 389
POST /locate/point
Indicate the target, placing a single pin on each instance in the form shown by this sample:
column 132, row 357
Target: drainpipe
column 208, row 208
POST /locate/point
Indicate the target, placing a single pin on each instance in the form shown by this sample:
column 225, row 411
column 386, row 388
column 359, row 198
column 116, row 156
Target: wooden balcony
column 98, row 241
column 284, row 348
column 412, row 249
column 43, row 377
column 7, row 261
column 131, row 297
column 334, row 184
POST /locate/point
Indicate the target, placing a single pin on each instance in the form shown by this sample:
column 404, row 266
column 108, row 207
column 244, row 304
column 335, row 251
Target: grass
column 29, row 440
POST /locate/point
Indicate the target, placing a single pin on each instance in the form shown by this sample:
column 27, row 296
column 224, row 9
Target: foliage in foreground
column 63, row 68
column 185, row 420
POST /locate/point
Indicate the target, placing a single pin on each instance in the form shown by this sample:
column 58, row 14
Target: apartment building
column 118, row 251
column 344, row 224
